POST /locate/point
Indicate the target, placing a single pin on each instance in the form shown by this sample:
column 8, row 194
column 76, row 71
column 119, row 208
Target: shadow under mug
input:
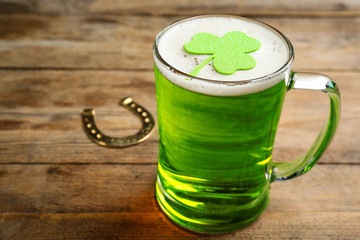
column 215, row 158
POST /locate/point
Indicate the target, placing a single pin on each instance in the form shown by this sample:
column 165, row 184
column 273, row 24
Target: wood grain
column 58, row 57
column 86, row 188
column 40, row 117
column 125, row 42
column 271, row 225
column 175, row 7
column 108, row 201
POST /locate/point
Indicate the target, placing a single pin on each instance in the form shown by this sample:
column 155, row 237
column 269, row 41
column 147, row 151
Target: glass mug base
column 206, row 215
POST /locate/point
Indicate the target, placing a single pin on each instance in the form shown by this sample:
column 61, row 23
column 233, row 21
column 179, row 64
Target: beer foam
column 272, row 56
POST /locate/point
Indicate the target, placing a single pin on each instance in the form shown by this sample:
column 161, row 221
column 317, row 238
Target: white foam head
column 272, row 56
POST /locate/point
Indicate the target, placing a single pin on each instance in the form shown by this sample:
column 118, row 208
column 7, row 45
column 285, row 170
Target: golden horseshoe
column 98, row 137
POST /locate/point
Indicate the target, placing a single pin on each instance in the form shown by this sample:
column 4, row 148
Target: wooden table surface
column 58, row 57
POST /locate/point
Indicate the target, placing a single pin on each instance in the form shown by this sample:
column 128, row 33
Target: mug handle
column 311, row 81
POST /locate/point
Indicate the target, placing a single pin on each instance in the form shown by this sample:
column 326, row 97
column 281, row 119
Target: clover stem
column 196, row 70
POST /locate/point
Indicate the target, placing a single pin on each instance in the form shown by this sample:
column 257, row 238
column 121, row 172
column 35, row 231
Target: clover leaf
column 228, row 53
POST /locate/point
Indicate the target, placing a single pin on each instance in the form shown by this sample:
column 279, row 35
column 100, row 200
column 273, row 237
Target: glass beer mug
column 217, row 130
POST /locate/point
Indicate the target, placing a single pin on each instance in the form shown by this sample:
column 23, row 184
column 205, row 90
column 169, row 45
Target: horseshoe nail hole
column 93, row 131
column 86, row 119
column 127, row 100
column 127, row 140
column 144, row 114
column 147, row 120
column 88, row 125
column 139, row 109
column 132, row 105
column 98, row 136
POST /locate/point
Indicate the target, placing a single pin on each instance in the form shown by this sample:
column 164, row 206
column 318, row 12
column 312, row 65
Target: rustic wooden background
column 58, row 57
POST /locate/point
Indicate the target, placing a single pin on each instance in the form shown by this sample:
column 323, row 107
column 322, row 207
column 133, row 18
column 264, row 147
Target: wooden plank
column 77, row 188
column 157, row 7
column 113, row 201
column 41, row 188
column 125, row 42
column 271, row 225
column 40, row 117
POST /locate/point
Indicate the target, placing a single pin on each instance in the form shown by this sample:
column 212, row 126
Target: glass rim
column 232, row 82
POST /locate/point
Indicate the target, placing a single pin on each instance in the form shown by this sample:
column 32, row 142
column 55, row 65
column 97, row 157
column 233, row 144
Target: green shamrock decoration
column 228, row 53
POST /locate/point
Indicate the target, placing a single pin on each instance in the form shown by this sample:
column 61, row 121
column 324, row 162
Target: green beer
column 215, row 152
column 217, row 131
